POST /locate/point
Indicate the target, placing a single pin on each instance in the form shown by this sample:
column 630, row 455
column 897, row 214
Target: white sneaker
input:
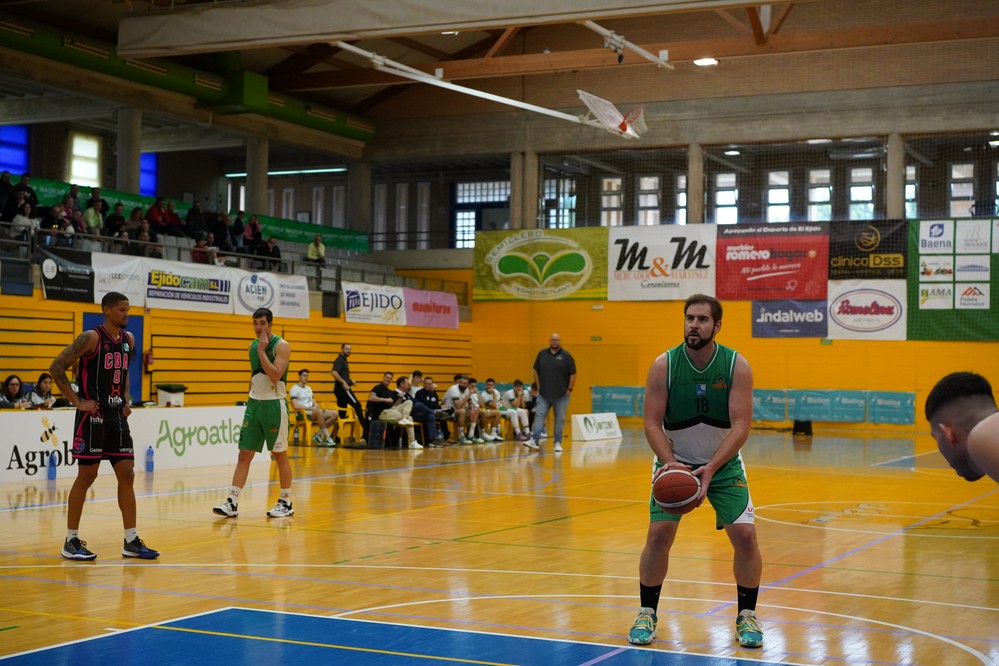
column 282, row 508
column 415, row 445
column 543, row 435
column 405, row 422
column 531, row 444
column 488, row 437
column 479, row 440
column 226, row 508
column 558, row 447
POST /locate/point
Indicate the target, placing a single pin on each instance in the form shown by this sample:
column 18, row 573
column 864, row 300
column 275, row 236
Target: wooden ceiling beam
column 980, row 27
column 778, row 21
column 742, row 27
column 759, row 35
column 503, row 41
column 420, row 47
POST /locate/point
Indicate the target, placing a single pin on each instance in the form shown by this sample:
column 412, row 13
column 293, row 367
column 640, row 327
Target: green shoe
column 747, row 629
column 644, row 629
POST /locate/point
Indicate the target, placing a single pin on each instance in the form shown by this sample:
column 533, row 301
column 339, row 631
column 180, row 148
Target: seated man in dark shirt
column 382, row 397
column 272, row 252
column 427, row 409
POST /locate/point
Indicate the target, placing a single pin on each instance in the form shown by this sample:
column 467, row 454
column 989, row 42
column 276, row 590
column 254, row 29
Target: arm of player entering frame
column 84, row 344
column 282, row 356
column 656, row 397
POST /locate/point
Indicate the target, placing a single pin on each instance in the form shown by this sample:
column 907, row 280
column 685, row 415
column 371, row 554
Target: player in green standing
column 698, row 410
column 266, row 418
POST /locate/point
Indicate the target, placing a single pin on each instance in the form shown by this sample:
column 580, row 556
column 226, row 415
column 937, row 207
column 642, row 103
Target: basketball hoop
column 629, row 125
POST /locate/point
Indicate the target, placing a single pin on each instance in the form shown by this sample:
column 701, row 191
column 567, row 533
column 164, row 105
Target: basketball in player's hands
column 676, row 490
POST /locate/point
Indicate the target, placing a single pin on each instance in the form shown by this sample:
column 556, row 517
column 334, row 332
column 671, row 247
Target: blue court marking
column 245, row 636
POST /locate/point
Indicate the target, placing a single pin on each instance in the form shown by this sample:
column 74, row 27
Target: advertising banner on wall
column 182, row 286
column 891, row 407
column 287, row 296
column 431, row 309
column 951, row 294
column 187, row 437
column 769, row 405
column 772, row 262
column 869, row 250
column 374, row 304
column 67, row 275
column 867, row 310
column 541, row 265
column 661, row 263
column 789, row 319
column 838, row 406
column 124, row 274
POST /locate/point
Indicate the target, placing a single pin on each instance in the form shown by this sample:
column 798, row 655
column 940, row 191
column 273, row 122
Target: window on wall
column 85, row 160
column 148, row 174
column 779, row 196
column 470, row 199
column 14, row 149
column 911, row 209
column 681, row 199
column 862, row 193
column 611, row 202
column 318, row 204
column 340, row 206
column 962, row 189
column 560, row 203
column 401, row 215
column 819, row 195
column 726, row 199
column 648, row 200
column 464, row 229
column 379, row 216
column 423, row 216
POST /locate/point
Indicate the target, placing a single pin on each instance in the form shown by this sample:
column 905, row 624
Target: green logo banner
column 541, row 265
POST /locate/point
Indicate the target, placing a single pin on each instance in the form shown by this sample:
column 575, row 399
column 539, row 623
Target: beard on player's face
column 696, row 342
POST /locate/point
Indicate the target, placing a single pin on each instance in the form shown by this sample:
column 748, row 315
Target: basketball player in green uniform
column 698, row 410
column 266, row 418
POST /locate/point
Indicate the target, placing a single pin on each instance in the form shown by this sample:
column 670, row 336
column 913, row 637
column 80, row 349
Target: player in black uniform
column 101, row 429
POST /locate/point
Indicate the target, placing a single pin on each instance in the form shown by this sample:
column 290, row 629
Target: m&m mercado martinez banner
column 661, row 263
column 772, row 262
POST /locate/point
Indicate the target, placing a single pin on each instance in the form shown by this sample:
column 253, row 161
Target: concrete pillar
column 516, row 190
column 129, row 147
column 257, row 157
column 695, row 184
column 895, row 178
column 530, row 181
column 359, row 196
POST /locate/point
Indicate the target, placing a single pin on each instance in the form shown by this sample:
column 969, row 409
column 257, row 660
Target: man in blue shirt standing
column 555, row 375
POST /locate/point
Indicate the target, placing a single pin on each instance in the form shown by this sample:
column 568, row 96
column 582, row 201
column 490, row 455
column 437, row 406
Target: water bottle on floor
column 149, row 460
column 52, row 471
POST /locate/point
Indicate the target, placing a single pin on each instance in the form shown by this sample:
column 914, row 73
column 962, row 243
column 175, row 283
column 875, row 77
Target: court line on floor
column 856, row 618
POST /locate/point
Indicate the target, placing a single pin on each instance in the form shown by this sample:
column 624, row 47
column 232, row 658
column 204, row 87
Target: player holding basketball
column 698, row 410
column 101, row 430
column 266, row 418
column 964, row 421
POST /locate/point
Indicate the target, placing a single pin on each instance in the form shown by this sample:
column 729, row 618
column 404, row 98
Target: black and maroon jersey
column 102, row 374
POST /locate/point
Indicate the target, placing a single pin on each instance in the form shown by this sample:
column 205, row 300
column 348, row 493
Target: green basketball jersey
column 261, row 387
column 697, row 417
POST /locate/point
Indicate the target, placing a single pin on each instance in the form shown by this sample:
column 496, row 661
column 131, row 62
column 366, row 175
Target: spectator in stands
column 490, row 414
column 157, row 216
column 458, row 399
column 302, row 398
column 25, row 186
column 121, row 243
column 135, row 220
column 8, row 199
column 11, row 394
column 175, row 225
column 221, row 227
column 201, row 253
column 73, row 197
column 114, row 223
column 95, row 196
column 51, row 223
column 272, row 255
column 93, row 217
column 415, row 382
column 253, row 233
column 236, row 230
column 145, row 247
column 380, row 398
column 41, row 395
column 195, row 222
column 67, row 230
column 317, row 251
column 24, row 226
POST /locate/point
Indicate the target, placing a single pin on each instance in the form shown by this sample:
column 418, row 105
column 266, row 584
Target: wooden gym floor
column 874, row 553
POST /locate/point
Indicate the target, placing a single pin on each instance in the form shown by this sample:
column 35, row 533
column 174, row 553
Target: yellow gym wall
column 506, row 337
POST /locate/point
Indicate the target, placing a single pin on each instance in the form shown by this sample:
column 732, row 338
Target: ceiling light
column 994, row 133
column 732, row 152
column 705, row 62
column 994, row 144
column 818, row 141
column 450, row 32
column 292, row 172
